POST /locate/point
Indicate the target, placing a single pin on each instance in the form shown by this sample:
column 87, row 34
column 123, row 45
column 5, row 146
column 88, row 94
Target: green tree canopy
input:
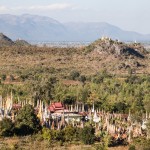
column 27, row 122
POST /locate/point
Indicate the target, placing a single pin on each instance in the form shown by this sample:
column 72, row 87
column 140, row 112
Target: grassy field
column 27, row 143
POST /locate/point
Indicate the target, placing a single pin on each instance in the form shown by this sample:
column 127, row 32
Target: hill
column 39, row 28
column 104, row 54
column 118, row 56
column 22, row 43
column 5, row 41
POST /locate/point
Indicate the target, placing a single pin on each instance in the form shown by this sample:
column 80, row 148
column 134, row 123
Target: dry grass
column 60, row 61
column 27, row 143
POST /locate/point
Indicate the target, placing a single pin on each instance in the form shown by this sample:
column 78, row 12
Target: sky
column 131, row 15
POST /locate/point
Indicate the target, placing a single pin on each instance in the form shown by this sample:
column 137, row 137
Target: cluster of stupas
column 57, row 116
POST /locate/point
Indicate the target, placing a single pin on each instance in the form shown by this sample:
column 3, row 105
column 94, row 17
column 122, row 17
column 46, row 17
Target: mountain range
column 41, row 28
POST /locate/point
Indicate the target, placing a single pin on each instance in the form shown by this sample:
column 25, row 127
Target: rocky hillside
column 117, row 56
column 4, row 40
column 22, row 43
column 104, row 54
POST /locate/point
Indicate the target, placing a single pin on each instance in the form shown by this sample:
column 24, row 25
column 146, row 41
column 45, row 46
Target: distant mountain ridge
column 40, row 28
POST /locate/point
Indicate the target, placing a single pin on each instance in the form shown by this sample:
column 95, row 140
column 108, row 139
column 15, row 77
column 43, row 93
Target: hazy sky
column 127, row 14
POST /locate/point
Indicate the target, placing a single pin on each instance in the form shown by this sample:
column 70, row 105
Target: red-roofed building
column 56, row 106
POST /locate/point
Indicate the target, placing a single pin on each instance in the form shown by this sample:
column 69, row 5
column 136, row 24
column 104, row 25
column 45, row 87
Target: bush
column 87, row 135
column 70, row 133
column 46, row 134
column 99, row 147
column 60, row 135
column 6, row 127
column 142, row 143
column 3, row 77
column 12, row 78
column 74, row 74
column 82, row 78
column 66, row 135
column 131, row 147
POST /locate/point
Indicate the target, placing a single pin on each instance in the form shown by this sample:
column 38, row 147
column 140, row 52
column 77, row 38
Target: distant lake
column 63, row 43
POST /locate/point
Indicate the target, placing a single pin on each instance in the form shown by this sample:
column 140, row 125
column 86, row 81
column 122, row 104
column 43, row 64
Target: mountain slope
column 92, row 31
column 39, row 28
column 31, row 27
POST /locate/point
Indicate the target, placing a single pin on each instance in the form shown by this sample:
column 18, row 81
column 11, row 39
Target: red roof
column 56, row 106
column 51, row 109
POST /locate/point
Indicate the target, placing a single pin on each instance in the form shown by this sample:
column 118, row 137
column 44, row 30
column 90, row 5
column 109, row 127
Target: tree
column 6, row 127
column 120, row 107
column 84, row 94
column 44, row 89
column 27, row 122
column 69, row 100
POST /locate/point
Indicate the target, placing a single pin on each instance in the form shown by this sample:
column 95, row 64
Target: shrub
column 60, row 135
column 131, row 147
column 3, row 77
column 69, row 133
column 82, row 78
column 87, row 135
column 6, row 127
column 12, row 78
column 46, row 134
column 74, row 74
